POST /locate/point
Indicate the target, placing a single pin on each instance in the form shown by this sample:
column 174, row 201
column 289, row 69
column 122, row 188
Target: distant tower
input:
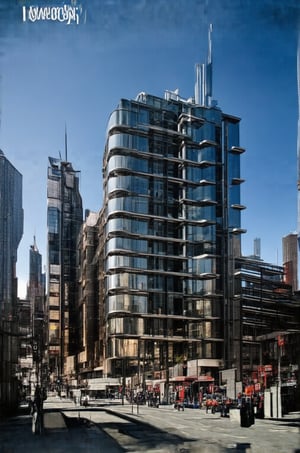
column 290, row 259
column 36, row 295
column 64, row 214
column 256, row 249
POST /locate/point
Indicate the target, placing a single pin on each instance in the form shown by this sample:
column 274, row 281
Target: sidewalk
column 60, row 435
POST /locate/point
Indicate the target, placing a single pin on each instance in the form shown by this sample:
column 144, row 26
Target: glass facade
column 11, row 231
column 64, row 219
column 171, row 201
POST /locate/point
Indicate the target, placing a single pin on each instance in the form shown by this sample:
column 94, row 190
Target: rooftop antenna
column 66, row 143
column 209, row 67
column 209, row 58
column 203, row 84
column 34, row 244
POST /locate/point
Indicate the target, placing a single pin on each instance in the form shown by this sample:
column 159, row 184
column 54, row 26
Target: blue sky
column 53, row 73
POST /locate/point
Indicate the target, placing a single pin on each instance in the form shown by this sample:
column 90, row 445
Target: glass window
column 201, row 193
column 156, row 282
column 120, row 243
column 126, row 280
column 199, row 286
column 127, row 302
column 198, row 155
column 131, row 162
column 128, row 325
column 130, row 225
column 53, row 220
column 129, row 183
column 53, row 331
column 194, row 173
column 129, row 204
column 202, row 265
column 143, row 116
column 201, row 212
column 234, row 218
column 198, row 233
column 116, row 261
column 157, row 167
column 130, row 141
column 232, row 132
column 123, row 117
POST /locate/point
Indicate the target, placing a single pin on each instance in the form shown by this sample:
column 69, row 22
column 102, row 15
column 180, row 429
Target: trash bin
column 246, row 414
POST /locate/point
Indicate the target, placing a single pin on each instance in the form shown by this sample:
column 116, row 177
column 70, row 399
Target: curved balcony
column 237, row 150
column 207, row 143
column 240, row 207
column 238, row 231
column 207, row 182
column 237, row 181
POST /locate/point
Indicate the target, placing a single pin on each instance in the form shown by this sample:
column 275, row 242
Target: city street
column 113, row 427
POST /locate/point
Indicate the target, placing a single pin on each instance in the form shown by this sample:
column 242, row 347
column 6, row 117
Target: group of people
column 213, row 405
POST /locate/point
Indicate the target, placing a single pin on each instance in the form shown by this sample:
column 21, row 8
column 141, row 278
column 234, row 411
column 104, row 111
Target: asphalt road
column 195, row 431
column 115, row 428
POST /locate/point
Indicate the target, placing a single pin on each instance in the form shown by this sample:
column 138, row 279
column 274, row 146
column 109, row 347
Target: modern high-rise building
column 88, row 309
column 290, row 260
column 11, row 231
column 36, row 293
column 32, row 324
column 65, row 216
column 36, row 284
column 172, row 219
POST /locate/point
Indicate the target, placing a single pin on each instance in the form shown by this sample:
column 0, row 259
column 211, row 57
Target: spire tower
column 203, row 84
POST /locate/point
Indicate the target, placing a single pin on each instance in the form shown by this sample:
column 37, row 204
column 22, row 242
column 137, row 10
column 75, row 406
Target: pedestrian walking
column 37, row 411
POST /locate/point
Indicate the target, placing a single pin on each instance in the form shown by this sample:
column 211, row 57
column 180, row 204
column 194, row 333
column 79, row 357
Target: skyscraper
column 290, row 260
column 36, row 284
column 36, row 291
column 64, row 215
column 172, row 218
column 11, row 230
column 88, row 310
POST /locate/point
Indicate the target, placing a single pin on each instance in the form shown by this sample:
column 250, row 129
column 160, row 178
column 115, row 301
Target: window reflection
column 120, row 243
column 129, row 183
column 128, row 325
column 123, row 224
column 126, row 280
column 127, row 302
column 122, row 140
column 129, row 204
column 116, row 261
